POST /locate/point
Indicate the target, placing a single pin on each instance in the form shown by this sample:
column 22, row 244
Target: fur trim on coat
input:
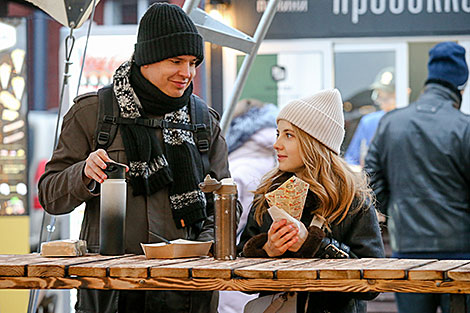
column 311, row 244
column 254, row 247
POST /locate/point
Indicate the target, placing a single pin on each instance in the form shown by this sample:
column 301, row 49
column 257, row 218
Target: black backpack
column 109, row 120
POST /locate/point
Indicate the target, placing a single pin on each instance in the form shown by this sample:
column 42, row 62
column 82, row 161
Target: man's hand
column 95, row 164
column 280, row 238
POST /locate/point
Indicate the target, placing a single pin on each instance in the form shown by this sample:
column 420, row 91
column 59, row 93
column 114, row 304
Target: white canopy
column 70, row 13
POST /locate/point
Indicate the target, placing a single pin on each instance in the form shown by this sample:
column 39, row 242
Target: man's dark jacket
column 419, row 165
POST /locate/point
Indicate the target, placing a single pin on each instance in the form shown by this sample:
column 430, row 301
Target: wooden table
column 243, row 274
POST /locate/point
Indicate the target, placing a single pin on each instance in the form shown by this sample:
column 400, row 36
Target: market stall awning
column 70, row 13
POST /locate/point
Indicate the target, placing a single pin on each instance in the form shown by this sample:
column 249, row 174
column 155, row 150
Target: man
column 165, row 166
column 384, row 95
column 419, row 164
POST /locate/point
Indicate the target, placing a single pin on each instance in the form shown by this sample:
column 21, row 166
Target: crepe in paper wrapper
column 290, row 196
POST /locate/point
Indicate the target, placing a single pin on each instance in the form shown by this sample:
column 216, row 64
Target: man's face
column 386, row 100
column 172, row 76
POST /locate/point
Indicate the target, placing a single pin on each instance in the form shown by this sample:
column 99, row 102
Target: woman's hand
column 280, row 238
column 301, row 237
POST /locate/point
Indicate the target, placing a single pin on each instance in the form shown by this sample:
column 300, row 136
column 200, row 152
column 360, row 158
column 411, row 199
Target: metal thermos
column 225, row 198
column 113, row 210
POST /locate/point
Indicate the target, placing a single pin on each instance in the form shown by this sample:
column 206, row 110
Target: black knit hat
column 165, row 31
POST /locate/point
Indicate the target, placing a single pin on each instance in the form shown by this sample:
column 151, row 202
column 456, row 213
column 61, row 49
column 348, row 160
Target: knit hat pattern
column 165, row 31
column 320, row 116
column 447, row 62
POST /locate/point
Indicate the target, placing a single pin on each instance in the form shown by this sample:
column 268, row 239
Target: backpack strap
column 153, row 123
column 107, row 110
column 199, row 112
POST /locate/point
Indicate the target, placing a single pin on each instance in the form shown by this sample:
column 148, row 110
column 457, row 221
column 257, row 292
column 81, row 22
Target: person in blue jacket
column 384, row 95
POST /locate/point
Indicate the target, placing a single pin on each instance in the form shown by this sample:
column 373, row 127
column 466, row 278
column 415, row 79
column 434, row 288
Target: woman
column 310, row 133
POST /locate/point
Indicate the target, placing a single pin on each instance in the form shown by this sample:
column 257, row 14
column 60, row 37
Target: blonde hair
column 331, row 180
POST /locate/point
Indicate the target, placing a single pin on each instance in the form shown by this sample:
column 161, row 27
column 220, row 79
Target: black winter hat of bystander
column 447, row 62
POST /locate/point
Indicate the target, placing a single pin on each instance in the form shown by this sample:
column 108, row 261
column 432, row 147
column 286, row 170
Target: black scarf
column 179, row 165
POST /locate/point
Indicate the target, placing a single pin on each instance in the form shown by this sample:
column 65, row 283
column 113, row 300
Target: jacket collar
column 444, row 92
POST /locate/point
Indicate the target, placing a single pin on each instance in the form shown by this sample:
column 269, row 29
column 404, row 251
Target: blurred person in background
column 384, row 95
column 250, row 141
column 419, row 166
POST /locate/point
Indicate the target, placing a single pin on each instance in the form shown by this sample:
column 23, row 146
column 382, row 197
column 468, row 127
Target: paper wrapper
column 178, row 248
column 278, row 214
column 290, row 196
column 62, row 248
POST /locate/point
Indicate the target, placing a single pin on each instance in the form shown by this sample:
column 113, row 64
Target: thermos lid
column 115, row 170
column 228, row 187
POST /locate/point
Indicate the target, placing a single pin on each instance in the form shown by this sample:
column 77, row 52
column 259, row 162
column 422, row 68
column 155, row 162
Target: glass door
column 372, row 79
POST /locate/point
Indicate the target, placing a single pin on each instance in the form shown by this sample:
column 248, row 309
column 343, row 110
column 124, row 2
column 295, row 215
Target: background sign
column 108, row 48
column 13, row 126
column 356, row 18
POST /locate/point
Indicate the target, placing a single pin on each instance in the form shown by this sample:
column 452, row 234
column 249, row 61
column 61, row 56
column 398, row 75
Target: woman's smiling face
column 288, row 148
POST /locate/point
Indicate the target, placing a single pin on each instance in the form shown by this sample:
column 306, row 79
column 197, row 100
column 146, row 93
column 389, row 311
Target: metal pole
column 69, row 44
column 142, row 6
column 40, row 58
column 189, row 5
column 202, row 70
column 260, row 33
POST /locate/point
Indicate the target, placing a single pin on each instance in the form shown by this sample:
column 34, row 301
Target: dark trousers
column 427, row 302
column 150, row 301
column 154, row 301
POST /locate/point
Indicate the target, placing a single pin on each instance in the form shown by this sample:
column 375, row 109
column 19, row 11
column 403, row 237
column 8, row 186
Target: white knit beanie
column 320, row 116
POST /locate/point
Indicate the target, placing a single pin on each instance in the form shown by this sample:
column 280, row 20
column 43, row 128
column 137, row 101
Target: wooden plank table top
column 94, row 271
column 461, row 273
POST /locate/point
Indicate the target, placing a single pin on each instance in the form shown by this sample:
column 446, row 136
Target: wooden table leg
column 458, row 303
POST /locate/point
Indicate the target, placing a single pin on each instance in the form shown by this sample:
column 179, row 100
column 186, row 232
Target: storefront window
column 279, row 75
column 357, row 73
column 280, row 78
